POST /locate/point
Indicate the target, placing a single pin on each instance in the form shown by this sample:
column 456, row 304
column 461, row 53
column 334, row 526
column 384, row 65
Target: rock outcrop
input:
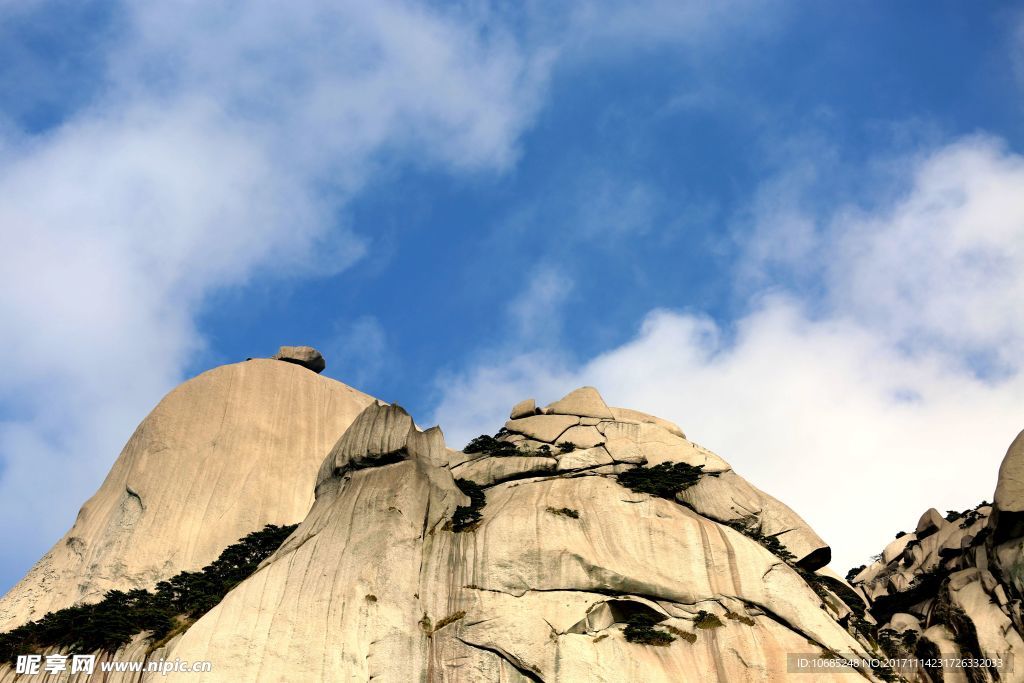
column 952, row 588
column 223, row 454
column 306, row 356
column 600, row 545
column 399, row 573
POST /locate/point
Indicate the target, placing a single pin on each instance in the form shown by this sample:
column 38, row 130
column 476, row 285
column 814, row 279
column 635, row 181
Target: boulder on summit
column 306, row 356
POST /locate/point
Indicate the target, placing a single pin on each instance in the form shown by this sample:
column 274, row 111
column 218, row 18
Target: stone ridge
column 541, row 588
column 953, row 587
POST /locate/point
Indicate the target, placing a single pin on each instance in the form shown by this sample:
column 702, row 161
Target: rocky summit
column 577, row 542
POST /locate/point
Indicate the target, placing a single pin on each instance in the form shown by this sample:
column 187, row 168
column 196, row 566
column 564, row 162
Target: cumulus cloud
column 221, row 146
column 859, row 401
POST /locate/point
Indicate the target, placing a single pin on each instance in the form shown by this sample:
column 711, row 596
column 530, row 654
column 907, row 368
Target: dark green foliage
column 749, row 528
column 843, row 592
column 664, row 480
column 466, row 517
column 854, row 571
column 901, row 534
column 567, row 446
column 685, row 635
column 742, row 618
column 488, row 445
column 640, row 629
column 953, row 515
column 925, row 586
column 565, row 512
column 450, row 619
column 112, row 622
column 929, row 652
column 707, row 620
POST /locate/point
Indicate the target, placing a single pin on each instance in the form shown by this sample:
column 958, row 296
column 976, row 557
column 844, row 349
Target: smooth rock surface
column 542, row 427
column 524, row 408
column 222, row 455
column 584, row 402
column 1009, row 495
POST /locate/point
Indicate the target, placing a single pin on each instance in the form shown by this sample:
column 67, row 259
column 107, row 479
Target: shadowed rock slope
column 222, row 455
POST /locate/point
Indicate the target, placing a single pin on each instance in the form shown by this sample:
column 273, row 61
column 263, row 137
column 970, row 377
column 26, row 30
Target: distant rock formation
column 223, row 454
column 953, row 587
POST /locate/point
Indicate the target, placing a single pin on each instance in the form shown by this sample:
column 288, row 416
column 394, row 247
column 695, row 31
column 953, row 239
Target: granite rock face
column 600, row 545
column 381, row 583
column 953, row 587
column 223, row 454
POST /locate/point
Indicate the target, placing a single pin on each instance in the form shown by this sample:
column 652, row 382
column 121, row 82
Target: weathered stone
column 379, row 432
column 583, row 458
column 582, row 437
column 524, row 408
column 902, row 622
column 545, row 428
column 584, row 402
column 627, row 415
column 222, row 455
column 490, row 470
column 306, row 356
column 652, row 444
column 930, row 522
column 1009, row 496
column 729, row 498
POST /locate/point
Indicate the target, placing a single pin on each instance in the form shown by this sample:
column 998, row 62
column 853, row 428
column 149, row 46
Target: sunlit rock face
column 386, row 580
column 581, row 542
column 223, row 454
column 952, row 588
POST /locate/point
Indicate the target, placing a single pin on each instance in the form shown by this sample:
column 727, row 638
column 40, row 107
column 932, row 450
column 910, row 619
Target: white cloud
column 222, row 147
column 859, row 401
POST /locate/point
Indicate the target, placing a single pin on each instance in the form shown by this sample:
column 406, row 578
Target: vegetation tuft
column 640, row 629
column 707, row 620
column 565, row 512
column 664, row 480
column 748, row 526
column 467, row 517
column 450, row 619
column 488, row 445
column 176, row 603
column 742, row 618
column 567, row 447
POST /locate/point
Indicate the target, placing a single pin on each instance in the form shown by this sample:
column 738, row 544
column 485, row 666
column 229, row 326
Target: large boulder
column 222, row 455
column 585, row 402
column 306, row 356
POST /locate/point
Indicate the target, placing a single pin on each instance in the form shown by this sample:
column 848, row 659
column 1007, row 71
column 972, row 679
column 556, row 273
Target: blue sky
column 797, row 229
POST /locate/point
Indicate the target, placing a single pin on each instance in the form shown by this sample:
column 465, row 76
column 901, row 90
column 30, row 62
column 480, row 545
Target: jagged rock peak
column 953, row 587
column 306, row 356
column 379, row 432
column 1009, row 496
column 584, row 402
